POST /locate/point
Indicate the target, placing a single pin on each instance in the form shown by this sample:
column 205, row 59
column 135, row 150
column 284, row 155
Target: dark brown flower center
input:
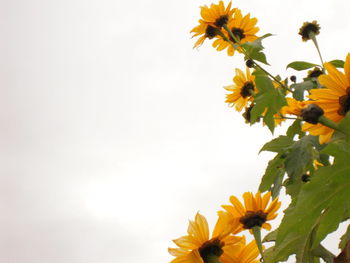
column 222, row 20
column 308, row 28
column 238, row 33
column 247, row 89
column 211, row 32
column 253, row 218
column 344, row 102
column 315, row 73
column 211, row 247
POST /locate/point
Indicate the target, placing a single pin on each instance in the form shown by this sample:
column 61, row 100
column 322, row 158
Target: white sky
column 114, row 131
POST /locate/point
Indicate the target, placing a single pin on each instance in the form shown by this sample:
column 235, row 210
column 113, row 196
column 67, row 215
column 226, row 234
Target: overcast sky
column 114, row 131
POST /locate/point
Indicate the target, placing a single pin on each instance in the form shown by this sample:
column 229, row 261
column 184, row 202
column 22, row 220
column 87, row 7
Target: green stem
column 331, row 124
column 257, row 236
column 212, row 259
column 314, row 40
column 237, row 43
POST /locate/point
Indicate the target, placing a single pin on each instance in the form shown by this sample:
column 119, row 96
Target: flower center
column 211, row 247
column 247, row 89
column 222, row 20
column 210, row 32
column 344, row 102
column 253, row 218
column 238, row 33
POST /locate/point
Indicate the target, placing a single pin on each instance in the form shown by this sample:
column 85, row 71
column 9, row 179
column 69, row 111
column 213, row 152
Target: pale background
column 114, row 131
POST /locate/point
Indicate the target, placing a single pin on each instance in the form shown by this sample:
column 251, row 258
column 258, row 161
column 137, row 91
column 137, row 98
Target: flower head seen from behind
column 242, row 89
column 242, row 28
column 309, row 29
column 334, row 99
column 213, row 18
column 255, row 211
column 197, row 246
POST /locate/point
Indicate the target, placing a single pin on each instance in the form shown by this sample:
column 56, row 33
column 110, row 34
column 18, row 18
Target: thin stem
column 237, row 43
column 314, row 40
column 286, row 118
column 257, row 237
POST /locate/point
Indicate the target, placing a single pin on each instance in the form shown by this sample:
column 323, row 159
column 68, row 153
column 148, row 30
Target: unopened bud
column 312, row 113
column 250, row 63
column 293, row 78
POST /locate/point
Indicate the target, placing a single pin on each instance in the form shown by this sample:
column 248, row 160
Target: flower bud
column 293, row 78
column 250, row 63
column 312, row 113
column 308, row 29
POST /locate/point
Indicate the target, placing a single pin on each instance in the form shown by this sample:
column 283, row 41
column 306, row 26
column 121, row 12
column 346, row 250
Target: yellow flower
column 334, row 99
column 242, row 89
column 255, row 211
column 294, row 107
column 246, row 254
column 213, row 18
column 196, row 247
column 244, row 30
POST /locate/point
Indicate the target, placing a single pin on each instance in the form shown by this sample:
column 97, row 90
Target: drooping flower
column 242, row 89
column 246, row 254
column 213, row 18
column 255, row 211
column 309, row 28
column 334, row 99
column 244, row 30
column 197, row 246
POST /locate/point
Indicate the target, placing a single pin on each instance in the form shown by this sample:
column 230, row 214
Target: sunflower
column 334, row 99
column 244, row 30
column 197, row 247
column 294, row 107
column 213, row 18
column 255, row 211
column 242, row 89
column 246, row 254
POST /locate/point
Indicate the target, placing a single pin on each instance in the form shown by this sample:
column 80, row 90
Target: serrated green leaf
column 295, row 129
column 268, row 100
column 337, row 63
column 271, row 236
column 301, row 65
column 299, row 158
column 327, row 191
column 254, row 49
column 278, row 144
column 344, row 238
column 299, row 89
column 277, row 184
column 323, row 253
column 275, row 169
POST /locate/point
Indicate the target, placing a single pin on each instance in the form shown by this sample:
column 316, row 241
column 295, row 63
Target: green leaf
column 300, row 88
column 254, row 49
column 345, row 238
column 295, row 129
column 337, row 63
column 321, row 202
column 271, row 236
column 278, row 144
column 301, row 65
column 268, row 100
column 299, row 158
column 323, row 253
column 278, row 183
column 275, row 169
